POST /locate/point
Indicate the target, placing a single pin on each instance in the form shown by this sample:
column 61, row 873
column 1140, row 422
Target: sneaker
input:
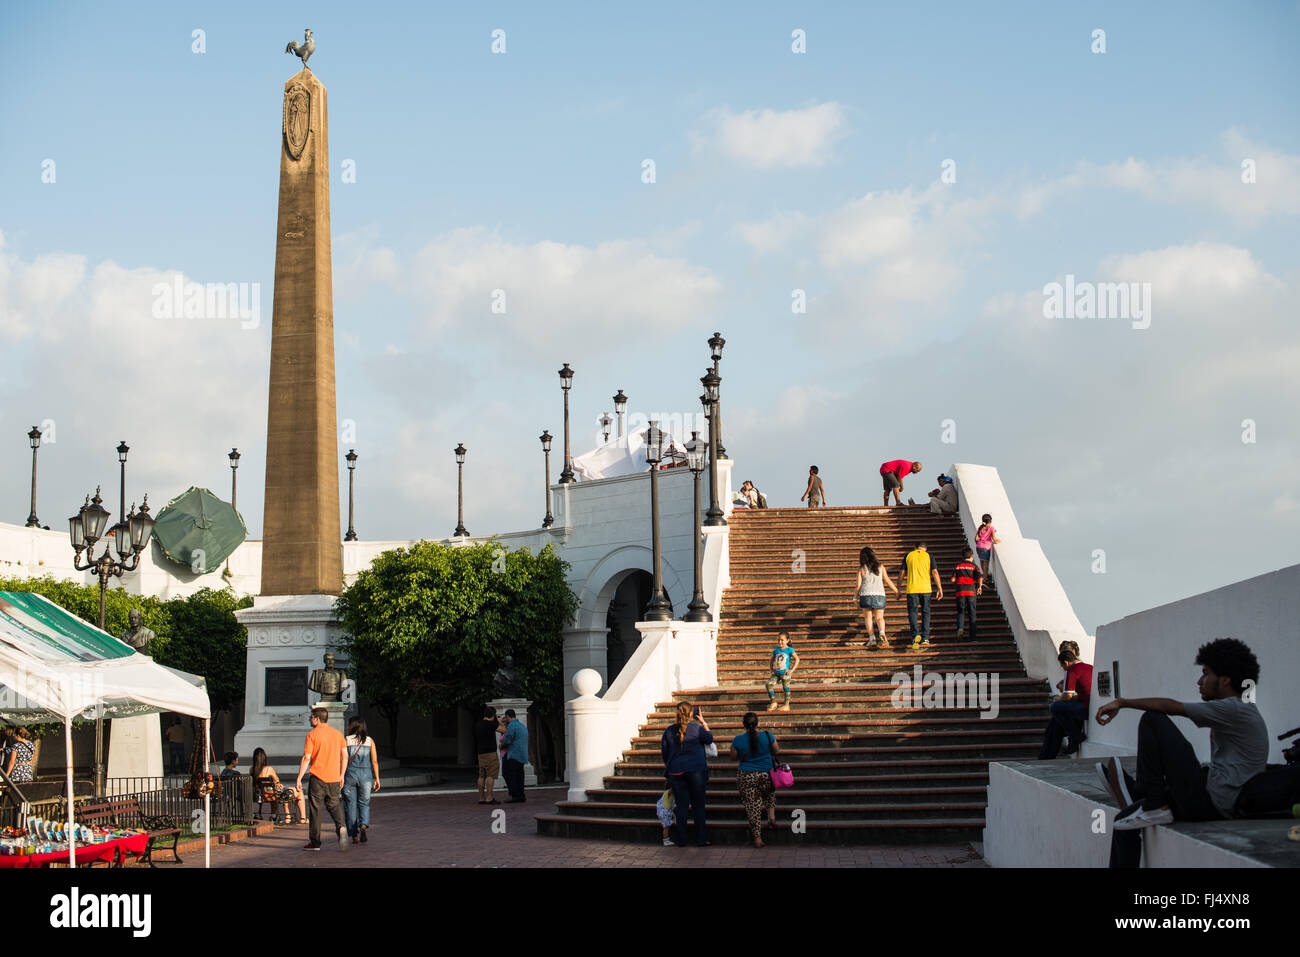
column 873, row 643
column 925, row 643
column 1138, row 818
column 773, row 706
column 668, row 842
column 311, row 847
column 1072, row 746
column 785, row 707
column 916, row 643
column 1112, row 779
column 343, row 839
column 363, row 833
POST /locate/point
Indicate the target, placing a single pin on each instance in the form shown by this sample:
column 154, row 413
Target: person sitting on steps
column 1069, row 709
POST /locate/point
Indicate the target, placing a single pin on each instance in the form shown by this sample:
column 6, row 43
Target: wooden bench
column 126, row 812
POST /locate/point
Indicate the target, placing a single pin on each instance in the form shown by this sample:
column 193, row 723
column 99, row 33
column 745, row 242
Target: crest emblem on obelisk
column 297, row 119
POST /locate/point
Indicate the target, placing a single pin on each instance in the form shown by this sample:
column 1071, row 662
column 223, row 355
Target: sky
column 870, row 202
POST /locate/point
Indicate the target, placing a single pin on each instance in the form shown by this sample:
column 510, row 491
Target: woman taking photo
column 687, row 768
column 872, row 579
column 755, row 749
column 361, row 776
column 263, row 774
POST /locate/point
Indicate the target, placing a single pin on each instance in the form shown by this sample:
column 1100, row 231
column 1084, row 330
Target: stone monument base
column 288, row 636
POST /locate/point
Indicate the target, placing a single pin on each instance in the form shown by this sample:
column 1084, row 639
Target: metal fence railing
column 233, row 806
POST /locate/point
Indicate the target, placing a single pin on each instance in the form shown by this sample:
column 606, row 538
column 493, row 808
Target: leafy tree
column 428, row 626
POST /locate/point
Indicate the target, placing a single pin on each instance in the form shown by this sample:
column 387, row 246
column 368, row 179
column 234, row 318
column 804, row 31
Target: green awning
column 198, row 530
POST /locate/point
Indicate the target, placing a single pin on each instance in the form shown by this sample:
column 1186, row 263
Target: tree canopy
column 429, row 625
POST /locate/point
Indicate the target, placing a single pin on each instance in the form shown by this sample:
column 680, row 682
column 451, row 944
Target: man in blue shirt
column 516, row 745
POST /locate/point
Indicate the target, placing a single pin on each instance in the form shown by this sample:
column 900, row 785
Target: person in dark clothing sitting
column 1069, row 708
column 686, row 766
column 1171, row 784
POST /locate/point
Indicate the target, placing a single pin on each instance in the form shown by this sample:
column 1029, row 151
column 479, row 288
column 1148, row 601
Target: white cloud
column 773, row 234
column 769, row 139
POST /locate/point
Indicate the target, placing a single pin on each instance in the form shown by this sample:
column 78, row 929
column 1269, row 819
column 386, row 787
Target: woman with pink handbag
column 756, row 778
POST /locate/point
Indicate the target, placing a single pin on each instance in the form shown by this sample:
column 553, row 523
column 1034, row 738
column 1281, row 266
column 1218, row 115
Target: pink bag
column 782, row 776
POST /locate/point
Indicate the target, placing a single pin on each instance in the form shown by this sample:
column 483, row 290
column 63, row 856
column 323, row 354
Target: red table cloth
column 135, row 844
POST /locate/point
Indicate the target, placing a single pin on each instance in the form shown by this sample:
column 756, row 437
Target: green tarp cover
column 199, row 530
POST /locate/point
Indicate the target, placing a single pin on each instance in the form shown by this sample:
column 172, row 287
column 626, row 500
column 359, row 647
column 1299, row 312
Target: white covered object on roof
column 625, row 456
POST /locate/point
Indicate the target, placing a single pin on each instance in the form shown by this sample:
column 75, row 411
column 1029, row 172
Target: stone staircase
column 865, row 771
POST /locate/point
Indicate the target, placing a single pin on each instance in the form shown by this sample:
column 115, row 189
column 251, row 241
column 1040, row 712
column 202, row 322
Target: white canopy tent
column 54, row 666
column 624, row 456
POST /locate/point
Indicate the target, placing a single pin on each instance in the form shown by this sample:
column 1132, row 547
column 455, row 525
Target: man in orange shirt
column 325, row 754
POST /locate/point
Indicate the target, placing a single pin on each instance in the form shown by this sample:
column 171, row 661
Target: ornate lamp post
column 658, row 609
column 716, row 342
column 545, row 438
column 698, row 609
column 122, row 449
column 620, row 409
column 130, row 537
column 351, row 536
column 715, row 514
column 34, row 437
column 566, row 383
column 460, row 451
column 234, row 465
column 606, row 420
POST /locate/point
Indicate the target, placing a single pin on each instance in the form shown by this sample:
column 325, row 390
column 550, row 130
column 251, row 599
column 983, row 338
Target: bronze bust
column 137, row 636
column 328, row 681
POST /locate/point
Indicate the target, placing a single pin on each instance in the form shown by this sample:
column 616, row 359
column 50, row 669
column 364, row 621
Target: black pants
column 689, row 790
column 318, row 793
column 966, row 608
column 1168, row 772
column 514, row 775
column 1067, row 722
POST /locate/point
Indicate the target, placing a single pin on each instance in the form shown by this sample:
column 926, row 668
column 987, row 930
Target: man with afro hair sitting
column 1171, row 784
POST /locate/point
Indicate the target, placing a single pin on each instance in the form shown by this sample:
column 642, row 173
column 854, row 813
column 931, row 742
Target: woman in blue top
column 754, row 779
column 686, row 767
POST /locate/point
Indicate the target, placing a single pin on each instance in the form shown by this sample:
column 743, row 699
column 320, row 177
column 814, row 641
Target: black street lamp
column 620, row 409
column 34, row 437
column 711, row 380
column 122, row 449
column 545, row 438
column 351, row 536
column 130, row 537
column 460, row 451
column 698, row 609
column 566, row 383
column 659, row 608
column 234, row 464
column 606, row 420
column 716, row 342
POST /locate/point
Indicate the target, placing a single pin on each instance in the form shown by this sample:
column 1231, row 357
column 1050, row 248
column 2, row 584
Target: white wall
column 1156, row 651
column 1040, row 614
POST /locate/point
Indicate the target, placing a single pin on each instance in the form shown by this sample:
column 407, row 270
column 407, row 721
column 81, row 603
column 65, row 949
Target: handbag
column 782, row 776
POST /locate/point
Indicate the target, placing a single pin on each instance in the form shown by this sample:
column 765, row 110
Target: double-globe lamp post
column 460, row 451
column 711, row 381
column 545, row 438
column 659, row 609
column 34, row 437
column 130, row 537
column 698, row 609
column 716, row 342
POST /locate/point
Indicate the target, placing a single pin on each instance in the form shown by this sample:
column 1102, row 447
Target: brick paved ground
column 452, row 830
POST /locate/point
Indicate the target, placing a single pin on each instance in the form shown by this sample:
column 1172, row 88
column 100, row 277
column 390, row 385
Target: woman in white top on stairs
column 873, row 576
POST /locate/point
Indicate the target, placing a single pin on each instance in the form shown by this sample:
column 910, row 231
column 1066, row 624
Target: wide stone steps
column 866, row 770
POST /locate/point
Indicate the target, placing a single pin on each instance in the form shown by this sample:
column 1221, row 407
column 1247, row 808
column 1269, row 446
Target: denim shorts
column 871, row 601
column 984, row 553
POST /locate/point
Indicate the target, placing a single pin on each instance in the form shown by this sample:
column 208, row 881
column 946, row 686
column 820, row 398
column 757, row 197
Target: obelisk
column 302, row 550
column 291, row 624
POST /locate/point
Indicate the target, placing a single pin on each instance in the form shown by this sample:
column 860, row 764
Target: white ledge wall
column 1040, row 614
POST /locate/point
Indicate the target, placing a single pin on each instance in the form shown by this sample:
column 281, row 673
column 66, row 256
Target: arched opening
column 626, row 608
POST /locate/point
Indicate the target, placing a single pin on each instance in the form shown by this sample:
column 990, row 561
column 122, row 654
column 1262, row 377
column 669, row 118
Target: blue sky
column 775, row 172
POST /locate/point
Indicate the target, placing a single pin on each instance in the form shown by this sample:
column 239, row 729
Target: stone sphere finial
column 587, row 682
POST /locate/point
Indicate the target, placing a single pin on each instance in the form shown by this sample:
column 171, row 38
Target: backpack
column 762, row 499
